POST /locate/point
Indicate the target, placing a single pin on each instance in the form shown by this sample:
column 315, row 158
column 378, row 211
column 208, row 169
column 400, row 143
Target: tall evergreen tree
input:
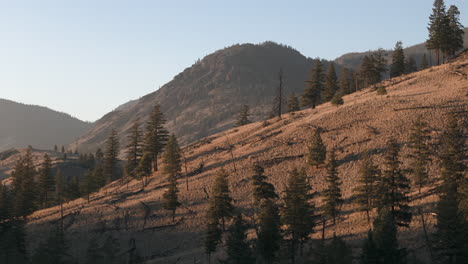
column 338, row 252
column 172, row 167
column 330, row 84
column 332, row 194
column 278, row 101
column 293, row 103
column 385, row 237
column 365, row 192
column 213, row 234
column 220, row 204
column 24, row 185
column 144, row 168
column 93, row 254
column 243, row 116
column 314, row 86
column 424, row 64
column 345, row 82
column 5, row 203
column 439, row 29
column 398, row 60
column 372, row 68
column 369, row 254
column 156, row 135
column 395, row 187
column 262, row 190
column 88, row 185
column 452, row 151
column 237, row 248
column 54, row 250
column 410, row 65
column 134, row 149
column 110, row 158
column 298, row 210
column 46, row 183
column 418, row 143
column 455, row 39
column 317, row 151
column 269, row 232
column 13, row 242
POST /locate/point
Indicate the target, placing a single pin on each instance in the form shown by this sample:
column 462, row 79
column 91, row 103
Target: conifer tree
column 72, row 188
column 452, row 150
column 298, row 210
column 88, row 185
column 54, row 250
column 269, row 232
column 337, row 99
column 172, row 167
column 370, row 254
column 46, row 182
column 144, row 167
column 385, row 235
column 243, row 117
column 110, row 158
column 317, row 151
column 398, row 61
column 410, row 65
column 156, row 135
column 455, row 39
column 220, row 204
column 332, row 194
column 237, row 248
column 55, row 148
column 345, row 82
column 213, row 234
column 5, row 203
column 293, row 103
column 278, row 101
column 439, row 29
column 98, row 177
column 394, row 187
column 110, row 251
column 134, row 149
column 418, row 143
column 262, row 190
column 13, row 242
column 314, row 86
column 93, row 255
column 330, row 84
column 338, row 252
column 372, row 68
column 24, row 185
column 424, row 63
column 365, row 192
column 63, row 149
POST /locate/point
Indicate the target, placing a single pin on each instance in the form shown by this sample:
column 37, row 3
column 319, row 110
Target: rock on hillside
column 205, row 98
column 363, row 124
column 23, row 125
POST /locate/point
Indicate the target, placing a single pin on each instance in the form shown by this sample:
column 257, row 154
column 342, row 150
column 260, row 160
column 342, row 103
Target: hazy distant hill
column 353, row 60
column 22, row 125
column 205, row 98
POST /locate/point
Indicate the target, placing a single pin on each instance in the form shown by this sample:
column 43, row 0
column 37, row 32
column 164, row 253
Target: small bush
column 381, row 90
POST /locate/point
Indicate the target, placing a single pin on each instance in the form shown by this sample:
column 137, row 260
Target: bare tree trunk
column 280, row 92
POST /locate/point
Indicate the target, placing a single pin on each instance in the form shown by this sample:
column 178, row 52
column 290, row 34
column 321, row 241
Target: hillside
column 205, row 98
column 363, row 124
column 353, row 60
column 40, row 127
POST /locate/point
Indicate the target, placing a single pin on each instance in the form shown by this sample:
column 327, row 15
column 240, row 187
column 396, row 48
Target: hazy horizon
column 87, row 58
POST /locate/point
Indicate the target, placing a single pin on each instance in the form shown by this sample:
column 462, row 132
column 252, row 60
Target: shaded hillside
column 363, row 124
column 23, row 125
column 353, row 60
column 205, row 98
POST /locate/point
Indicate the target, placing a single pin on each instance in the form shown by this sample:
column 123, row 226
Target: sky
column 87, row 57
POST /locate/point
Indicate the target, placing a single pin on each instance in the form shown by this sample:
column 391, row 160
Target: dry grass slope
column 364, row 123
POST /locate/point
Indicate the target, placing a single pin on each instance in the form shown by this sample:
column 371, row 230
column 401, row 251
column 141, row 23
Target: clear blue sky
column 86, row 57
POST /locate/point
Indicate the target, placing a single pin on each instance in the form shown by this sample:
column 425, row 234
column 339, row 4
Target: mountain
column 205, row 98
column 40, row 127
column 353, row 60
column 135, row 216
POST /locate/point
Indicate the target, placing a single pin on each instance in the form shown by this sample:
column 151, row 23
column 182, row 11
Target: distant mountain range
column 22, row 125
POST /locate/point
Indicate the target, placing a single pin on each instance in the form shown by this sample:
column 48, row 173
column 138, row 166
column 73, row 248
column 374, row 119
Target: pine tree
column 5, row 203
column 88, row 185
column 98, row 177
column 144, row 167
column 110, row 251
column 330, row 84
column 410, row 65
column 398, row 61
column 424, row 63
column 269, row 232
column 262, row 190
column 452, row 150
column 293, row 103
column 220, row 204
column 156, row 135
column 72, row 188
column 418, row 143
column 278, row 101
column 372, row 68
column 332, row 194
column 213, row 235
column 134, row 149
column 345, row 82
column 439, row 29
column 93, row 255
column 337, row 99
column 455, row 38
column 63, row 149
column 338, row 252
column 314, row 86
column 54, row 250
column 365, row 192
column 298, row 210
column 243, row 117
column 55, row 148
column 172, row 167
column 237, row 248
column 317, row 151
column 385, row 237
column 24, row 185
column 13, row 242
column 370, row 254
column 394, row 187
column 110, row 158
column 46, row 182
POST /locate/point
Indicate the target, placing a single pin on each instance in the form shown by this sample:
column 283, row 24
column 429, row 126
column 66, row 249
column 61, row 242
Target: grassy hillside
column 363, row 124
